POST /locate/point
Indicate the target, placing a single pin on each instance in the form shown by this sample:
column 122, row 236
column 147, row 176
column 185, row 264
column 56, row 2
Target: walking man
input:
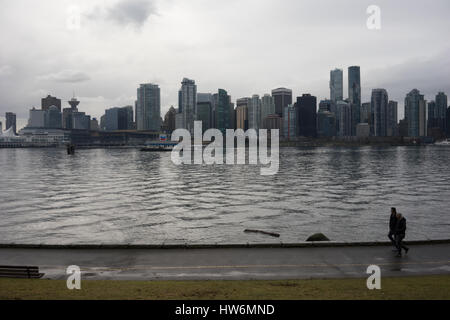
column 400, row 233
column 392, row 226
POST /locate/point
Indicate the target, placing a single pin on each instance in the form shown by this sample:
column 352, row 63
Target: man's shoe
column 399, row 255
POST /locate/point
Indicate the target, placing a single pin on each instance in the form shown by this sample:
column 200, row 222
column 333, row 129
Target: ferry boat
column 159, row 147
column 443, row 143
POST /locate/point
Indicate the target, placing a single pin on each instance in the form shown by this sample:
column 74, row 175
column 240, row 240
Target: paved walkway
column 232, row 263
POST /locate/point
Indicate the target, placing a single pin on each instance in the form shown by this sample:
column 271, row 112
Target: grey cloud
column 70, row 76
column 126, row 12
column 134, row 12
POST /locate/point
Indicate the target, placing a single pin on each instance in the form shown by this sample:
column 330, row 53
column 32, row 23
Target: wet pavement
column 232, row 263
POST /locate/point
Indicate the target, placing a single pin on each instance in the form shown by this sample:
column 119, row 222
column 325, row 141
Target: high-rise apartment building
column 188, row 103
column 325, row 105
column 254, row 113
column 336, row 85
column 344, row 113
column 242, row 113
column 267, row 107
column 432, row 121
column 205, row 108
column 326, row 124
column 148, row 107
column 307, row 115
column 118, row 119
column 415, row 114
column 379, row 105
column 222, row 102
column 53, row 118
column 441, row 111
column 354, row 95
column 11, row 121
column 392, row 119
column 290, row 122
column 282, row 97
column 169, row 121
column 447, row 122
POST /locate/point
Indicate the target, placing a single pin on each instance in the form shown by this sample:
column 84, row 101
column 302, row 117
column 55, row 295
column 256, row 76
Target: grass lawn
column 426, row 287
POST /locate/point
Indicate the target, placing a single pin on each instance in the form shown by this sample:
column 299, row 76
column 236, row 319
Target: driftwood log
column 272, row 234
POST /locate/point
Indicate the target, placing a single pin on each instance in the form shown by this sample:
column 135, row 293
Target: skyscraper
column 180, row 103
column 415, row 114
column 336, row 85
column 392, row 119
column 49, row 101
column 344, row 113
column 81, row 121
column 354, row 95
column 441, row 110
column 53, row 118
column 290, row 122
column 325, row 105
column 307, row 115
column 282, row 98
column 447, row 122
column 242, row 113
column 365, row 112
column 169, row 120
column 267, row 106
column 222, row 111
column 118, row 119
column 205, row 114
column 37, row 118
column 188, row 103
column 379, row 105
column 432, row 121
column 254, row 113
column 326, row 124
column 11, row 121
column 148, row 107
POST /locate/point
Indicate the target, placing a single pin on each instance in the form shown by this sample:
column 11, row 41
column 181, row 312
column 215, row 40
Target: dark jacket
column 393, row 223
column 401, row 227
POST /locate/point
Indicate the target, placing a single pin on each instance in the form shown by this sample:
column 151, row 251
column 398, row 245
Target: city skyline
column 243, row 62
column 22, row 122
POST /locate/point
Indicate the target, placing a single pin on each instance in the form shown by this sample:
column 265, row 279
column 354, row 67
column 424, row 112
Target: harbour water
column 124, row 196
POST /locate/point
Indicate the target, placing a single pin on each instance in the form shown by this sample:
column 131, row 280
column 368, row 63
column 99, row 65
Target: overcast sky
column 244, row 46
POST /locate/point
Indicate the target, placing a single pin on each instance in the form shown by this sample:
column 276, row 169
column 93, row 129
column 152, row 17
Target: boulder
column 318, row 237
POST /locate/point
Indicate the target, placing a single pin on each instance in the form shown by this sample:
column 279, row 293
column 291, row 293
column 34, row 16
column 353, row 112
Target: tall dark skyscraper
column 432, row 120
column 222, row 114
column 354, row 95
column 441, row 110
column 169, row 121
column 448, row 122
column 392, row 119
column 379, row 105
column 282, row 98
column 11, row 121
column 205, row 106
column 306, row 106
column 49, row 101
